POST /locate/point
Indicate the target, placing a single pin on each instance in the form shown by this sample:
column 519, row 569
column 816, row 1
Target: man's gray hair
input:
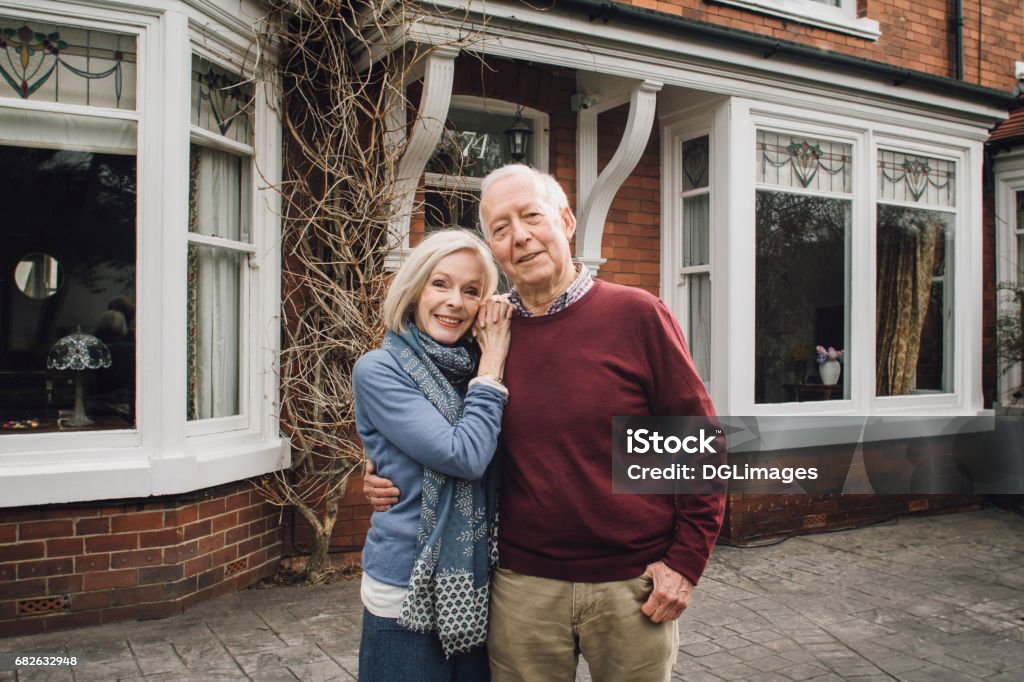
column 550, row 191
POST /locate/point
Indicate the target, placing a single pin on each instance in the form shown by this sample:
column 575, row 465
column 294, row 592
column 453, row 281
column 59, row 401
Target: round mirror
column 38, row 275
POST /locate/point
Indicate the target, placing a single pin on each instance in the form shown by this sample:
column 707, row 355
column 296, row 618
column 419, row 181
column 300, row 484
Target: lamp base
column 78, row 418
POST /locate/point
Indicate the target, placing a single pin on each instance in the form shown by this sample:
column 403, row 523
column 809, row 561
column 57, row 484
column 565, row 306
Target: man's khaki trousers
column 538, row 628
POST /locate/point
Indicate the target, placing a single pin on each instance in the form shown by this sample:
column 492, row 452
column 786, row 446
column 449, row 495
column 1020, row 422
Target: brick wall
column 752, row 518
column 349, row 533
column 632, row 232
column 82, row 564
column 915, row 33
column 884, row 467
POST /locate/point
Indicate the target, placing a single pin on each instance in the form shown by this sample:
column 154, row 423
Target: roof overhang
column 632, row 43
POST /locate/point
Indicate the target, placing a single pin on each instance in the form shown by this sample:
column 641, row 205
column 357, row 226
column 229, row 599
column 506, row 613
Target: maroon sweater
column 617, row 351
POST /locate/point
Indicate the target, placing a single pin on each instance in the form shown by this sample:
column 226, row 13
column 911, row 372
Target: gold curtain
column 906, row 259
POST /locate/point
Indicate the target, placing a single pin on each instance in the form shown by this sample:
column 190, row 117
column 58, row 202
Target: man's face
column 529, row 237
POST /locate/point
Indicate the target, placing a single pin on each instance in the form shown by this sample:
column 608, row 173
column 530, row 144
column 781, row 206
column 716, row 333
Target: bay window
column 858, row 255
column 130, row 147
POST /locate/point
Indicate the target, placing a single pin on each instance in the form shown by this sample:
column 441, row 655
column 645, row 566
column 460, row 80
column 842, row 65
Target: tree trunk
column 322, row 541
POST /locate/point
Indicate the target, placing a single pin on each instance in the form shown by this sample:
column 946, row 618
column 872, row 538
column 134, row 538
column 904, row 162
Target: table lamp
column 78, row 352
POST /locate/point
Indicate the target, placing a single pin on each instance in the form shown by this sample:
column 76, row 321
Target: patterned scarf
column 456, row 548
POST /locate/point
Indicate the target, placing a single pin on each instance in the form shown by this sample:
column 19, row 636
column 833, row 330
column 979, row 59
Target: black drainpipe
column 956, row 26
column 606, row 12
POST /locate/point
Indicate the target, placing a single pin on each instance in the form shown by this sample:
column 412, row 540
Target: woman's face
column 450, row 298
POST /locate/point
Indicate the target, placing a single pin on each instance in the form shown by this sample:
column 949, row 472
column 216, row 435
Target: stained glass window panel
column 695, row 164
column 918, row 179
column 222, row 102
column 799, row 162
column 65, row 64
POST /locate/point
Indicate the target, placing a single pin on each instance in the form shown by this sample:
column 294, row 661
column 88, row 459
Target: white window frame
column 1009, row 180
column 120, row 438
column 249, row 276
column 966, row 270
column 950, row 313
column 164, row 454
column 830, row 135
column 675, row 274
column 867, row 136
column 842, row 19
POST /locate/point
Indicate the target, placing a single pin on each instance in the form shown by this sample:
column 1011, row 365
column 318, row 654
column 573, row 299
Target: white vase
column 829, row 372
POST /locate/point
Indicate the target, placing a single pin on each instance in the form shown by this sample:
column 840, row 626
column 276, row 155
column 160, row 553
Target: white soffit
column 569, row 39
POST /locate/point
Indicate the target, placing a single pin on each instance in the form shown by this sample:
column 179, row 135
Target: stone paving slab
column 934, row 598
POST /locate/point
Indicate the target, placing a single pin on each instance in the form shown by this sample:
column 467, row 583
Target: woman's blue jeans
column 389, row 652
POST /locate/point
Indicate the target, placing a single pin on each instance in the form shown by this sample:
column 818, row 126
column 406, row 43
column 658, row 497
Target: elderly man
column 582, row 570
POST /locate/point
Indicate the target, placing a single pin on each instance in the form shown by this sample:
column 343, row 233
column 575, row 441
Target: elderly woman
column 428, row 408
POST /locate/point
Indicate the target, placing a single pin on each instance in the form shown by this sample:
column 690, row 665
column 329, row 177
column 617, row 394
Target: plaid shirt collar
column 579, row 286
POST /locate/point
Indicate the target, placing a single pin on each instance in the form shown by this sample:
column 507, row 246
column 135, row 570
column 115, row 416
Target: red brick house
column 749, row 161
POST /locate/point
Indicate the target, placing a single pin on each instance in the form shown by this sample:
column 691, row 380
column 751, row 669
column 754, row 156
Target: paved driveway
column 936, row 598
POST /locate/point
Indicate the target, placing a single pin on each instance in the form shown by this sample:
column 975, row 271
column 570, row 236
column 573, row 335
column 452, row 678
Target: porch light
column 518, row 135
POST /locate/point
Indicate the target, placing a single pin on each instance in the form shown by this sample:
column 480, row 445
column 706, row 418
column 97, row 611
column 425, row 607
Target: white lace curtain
column 214, row 284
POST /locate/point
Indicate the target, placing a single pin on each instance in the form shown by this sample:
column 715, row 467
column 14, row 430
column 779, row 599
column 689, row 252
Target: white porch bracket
column 438, row 78
column 596, row 195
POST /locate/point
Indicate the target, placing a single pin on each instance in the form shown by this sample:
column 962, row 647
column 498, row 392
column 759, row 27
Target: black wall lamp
column 518, row 135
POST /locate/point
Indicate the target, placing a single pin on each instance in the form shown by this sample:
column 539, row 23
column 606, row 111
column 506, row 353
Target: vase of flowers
column 829, row 364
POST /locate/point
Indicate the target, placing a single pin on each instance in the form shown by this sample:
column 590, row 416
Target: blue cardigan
column 402, row 432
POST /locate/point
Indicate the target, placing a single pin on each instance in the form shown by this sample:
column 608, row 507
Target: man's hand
column 671, row 595
column 381, row 493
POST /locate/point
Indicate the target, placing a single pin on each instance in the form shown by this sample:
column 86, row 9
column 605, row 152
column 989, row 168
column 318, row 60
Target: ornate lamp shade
column 78, row 352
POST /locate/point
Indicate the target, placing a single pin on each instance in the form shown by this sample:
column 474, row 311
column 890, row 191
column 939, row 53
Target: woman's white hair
column 548, row 189
column 412, row 276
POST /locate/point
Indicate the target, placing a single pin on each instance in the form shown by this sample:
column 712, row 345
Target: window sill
column 771, row 433
column 105, row 474
column 811, row 14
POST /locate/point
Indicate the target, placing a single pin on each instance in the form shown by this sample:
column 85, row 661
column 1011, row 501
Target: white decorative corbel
column 438, row 78
column 596, row 198
column 586, row 155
